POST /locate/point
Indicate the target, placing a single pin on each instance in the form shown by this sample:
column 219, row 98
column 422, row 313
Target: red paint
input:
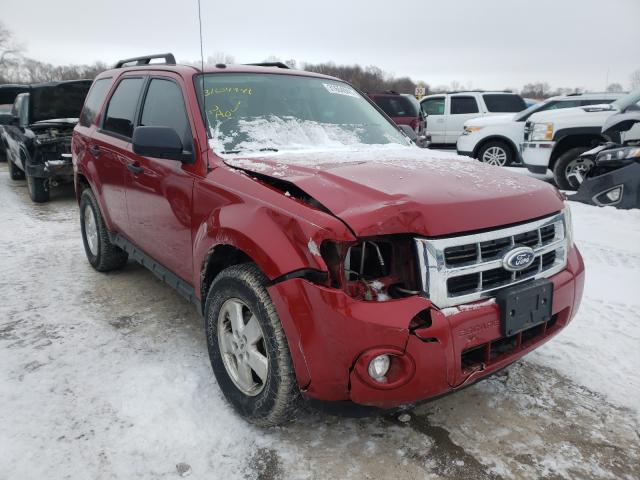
column 177, row 213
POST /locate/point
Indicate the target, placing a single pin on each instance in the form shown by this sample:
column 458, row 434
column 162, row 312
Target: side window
column 433, row 106
column 94, row 101
column 461, row 105
column 597, row 102
column 122, row 107
column 164, row 107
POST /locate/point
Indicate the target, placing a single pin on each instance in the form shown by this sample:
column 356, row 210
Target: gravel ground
column 107, row 376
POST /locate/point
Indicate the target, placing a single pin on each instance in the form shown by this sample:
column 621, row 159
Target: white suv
column 557, row 139
column 447, row 112
column 496, row 140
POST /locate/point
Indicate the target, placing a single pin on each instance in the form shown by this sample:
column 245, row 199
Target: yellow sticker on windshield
column 222, row 90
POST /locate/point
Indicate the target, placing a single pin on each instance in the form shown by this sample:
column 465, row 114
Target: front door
column 159, row 191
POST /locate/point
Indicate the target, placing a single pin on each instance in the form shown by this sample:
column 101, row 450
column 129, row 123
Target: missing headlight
column 379, row 268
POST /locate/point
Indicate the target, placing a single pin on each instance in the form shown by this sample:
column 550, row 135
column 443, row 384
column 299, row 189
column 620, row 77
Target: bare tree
column 536, row 90
column 10, row 52
column 635, row 80
column 614, row 88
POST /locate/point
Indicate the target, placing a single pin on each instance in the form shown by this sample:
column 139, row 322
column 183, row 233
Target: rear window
column 94, row 100
column 396, row 106
column 462, row 105
column 504, row 102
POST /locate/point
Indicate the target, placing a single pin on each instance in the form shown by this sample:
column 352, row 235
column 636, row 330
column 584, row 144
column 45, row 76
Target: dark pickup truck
column 8, row 94
column 37, row 138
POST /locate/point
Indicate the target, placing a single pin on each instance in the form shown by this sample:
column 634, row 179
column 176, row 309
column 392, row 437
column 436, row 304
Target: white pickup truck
column 555, row 139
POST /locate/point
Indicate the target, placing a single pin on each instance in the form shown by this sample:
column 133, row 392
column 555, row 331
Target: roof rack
column 481, row 91
column 169, row 59
column 269, row 64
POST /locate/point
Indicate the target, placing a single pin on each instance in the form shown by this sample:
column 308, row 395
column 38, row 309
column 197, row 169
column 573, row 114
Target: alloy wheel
column 242, row 346
column 577, row 170
column 91, row 230
column 495, row 156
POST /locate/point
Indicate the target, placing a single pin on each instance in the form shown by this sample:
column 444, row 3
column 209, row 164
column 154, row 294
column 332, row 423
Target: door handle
column 135, row 168
column 95, row 150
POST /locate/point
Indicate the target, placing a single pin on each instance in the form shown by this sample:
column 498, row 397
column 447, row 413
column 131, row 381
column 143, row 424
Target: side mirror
column 159, row 142
column 409, row 132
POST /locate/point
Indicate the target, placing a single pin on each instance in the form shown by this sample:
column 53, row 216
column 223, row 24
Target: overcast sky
column 479, row 43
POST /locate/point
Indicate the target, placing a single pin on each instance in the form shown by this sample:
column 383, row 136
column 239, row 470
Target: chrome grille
column 465, row 268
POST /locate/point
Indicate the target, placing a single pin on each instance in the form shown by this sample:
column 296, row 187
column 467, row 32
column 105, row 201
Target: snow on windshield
column 272, row 132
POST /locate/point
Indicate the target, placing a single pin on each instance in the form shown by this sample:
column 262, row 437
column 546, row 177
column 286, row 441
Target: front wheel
column 496, row 153
column 569, row 167
column 38, row 189
column 248, row 348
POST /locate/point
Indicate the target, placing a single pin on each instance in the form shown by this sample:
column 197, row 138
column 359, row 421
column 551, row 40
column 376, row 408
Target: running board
column 159, row 270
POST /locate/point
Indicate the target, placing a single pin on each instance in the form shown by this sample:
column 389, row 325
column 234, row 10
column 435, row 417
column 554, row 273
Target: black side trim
column 539, row 169
column 314, row 276
column 565, row 132
column 160, row 271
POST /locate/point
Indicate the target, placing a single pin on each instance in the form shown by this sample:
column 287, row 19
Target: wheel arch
column 569, row 138
column 501, row 138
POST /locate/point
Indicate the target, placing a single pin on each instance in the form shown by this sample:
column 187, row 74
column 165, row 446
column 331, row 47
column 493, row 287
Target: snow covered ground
column 107, row 376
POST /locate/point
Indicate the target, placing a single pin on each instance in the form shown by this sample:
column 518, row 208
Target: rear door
column 462, row 108
column 433, row 108
column 110, row 146
column 160, row 191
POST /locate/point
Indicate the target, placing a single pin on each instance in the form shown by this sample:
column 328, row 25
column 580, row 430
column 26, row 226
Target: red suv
column 403, row 109
column 332, row 259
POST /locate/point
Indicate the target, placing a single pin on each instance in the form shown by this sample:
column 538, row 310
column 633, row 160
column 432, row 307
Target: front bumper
column 466, row 144
column 329, row 333
column 536, row 156
column 62, row 168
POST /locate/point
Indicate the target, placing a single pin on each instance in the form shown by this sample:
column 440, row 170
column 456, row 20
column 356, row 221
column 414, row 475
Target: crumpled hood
column 389, row 190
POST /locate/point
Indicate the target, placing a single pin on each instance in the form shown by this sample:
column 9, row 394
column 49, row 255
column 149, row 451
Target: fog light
column 614, row 195
column 378, row 368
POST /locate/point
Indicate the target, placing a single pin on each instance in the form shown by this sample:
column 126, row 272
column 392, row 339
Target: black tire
column 560, row 168
column 38, row 189
column 501, row 146
column 279, row 398
column 108, row 256
column 14, row 172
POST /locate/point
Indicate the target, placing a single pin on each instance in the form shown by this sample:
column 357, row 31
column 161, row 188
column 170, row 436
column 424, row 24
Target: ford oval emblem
column 518, row 259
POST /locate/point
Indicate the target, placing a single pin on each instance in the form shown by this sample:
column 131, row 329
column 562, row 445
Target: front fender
column 280, row 234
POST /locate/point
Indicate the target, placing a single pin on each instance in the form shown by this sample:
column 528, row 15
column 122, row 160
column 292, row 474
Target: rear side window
column 504, row 103
column 597, row 102
column 433, row 106
column 164, row 107
column 122, row 107
column 396, row 106
column 461, row 105
column 94, row 101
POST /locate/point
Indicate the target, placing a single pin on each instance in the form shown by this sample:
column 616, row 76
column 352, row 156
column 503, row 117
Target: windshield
column 254, row 112
column 628, row 102
column 396, row 105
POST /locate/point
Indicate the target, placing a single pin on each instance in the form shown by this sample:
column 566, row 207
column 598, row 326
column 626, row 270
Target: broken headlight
column 618, row 155
column 379, row 268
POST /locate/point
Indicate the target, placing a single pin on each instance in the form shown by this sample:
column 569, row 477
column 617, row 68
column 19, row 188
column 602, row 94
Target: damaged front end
column 51, row 158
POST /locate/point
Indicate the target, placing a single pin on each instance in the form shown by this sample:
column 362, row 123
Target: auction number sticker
column 341, row 90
